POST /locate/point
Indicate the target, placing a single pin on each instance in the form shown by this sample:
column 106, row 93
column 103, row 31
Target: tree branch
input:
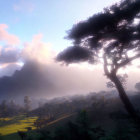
column 128, row 61
column 105, row 65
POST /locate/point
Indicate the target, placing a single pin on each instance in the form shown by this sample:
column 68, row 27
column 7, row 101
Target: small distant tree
column 137, row 86
column 3, row 108
column 27, row 103
column 40, row 104
column 111, row 37
column 12, row 104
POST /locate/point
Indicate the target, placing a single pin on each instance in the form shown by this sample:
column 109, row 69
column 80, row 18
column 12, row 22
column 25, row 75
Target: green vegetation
column 86, row 124
column 13, row 136
column 107, row 38
column 14, row 124
column 82, row 128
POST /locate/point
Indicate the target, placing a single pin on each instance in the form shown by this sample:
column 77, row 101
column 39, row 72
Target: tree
column 111, row 37
column 3, row 109
column 12, row 104
column 27, row 103
column 137, row 86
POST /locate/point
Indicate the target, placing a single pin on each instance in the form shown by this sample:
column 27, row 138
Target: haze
column 31, row 35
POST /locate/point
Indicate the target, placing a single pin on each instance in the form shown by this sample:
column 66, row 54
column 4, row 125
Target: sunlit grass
column 18, row 123
column 61, row 118
column 5, row 119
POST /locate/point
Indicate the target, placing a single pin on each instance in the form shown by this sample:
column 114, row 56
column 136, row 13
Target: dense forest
column 93, row 116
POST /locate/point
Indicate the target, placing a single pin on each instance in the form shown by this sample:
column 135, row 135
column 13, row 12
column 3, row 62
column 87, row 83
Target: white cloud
column 38, row 50
column 70, row 79
column 9, row 39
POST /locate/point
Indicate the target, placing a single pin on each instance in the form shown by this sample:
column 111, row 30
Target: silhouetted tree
column 22, row 135
column 111, row 37
column 27, row 103
column 12, row 104
column 137, row 86
column 80, row 129
column 3, row 109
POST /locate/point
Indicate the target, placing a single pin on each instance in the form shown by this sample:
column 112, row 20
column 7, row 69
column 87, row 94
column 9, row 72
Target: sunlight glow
column 21, row 64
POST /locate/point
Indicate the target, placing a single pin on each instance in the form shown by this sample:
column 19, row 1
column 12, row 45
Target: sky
column 31, row 35
column 52, row 18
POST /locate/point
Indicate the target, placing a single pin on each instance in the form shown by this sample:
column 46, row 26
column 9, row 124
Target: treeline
column 99, row 103
column 82, row 128
column 11, row 108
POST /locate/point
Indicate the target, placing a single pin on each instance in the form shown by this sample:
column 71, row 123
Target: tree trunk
column 128, row 105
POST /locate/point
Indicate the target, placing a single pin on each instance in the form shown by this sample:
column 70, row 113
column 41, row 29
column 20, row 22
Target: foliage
column 12, row 125
column 137, row 86
column 113, row 32
column 10, row 109
column 85, row 125
column 27, row 103
column 80, row 129
column 108, row 37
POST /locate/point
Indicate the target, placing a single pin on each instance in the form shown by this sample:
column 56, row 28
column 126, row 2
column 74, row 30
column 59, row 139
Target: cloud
column 8, row 69
column 38, row 50
column 7, row 37
column 8, row 54
column 28, row 80
column 41, row 76
column 49, row 80
column 24, row 6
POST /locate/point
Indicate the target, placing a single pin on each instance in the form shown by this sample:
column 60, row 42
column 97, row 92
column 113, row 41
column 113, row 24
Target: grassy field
column 10, row 126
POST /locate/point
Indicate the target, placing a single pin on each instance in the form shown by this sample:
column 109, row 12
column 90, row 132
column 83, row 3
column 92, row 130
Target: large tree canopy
column 116, row 31
column 113, row 36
